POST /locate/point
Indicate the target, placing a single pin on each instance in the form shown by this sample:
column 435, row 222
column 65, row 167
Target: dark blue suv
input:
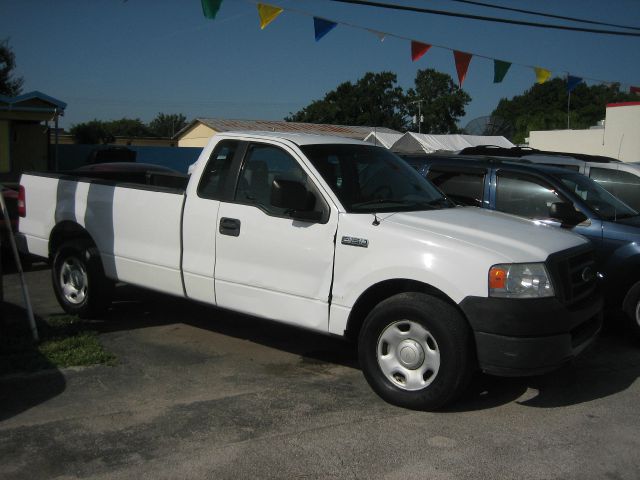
column 555, row 196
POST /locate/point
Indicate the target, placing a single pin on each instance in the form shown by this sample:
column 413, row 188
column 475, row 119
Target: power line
column 484, row 18
column 542, row 14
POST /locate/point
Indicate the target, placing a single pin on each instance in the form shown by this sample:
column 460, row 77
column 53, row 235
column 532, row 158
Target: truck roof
column 296, row 138
column 514, row 164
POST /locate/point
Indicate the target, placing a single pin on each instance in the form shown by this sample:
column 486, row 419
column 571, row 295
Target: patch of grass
column 65, row 341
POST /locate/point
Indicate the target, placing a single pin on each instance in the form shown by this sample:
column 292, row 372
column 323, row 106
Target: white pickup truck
column 334, row 235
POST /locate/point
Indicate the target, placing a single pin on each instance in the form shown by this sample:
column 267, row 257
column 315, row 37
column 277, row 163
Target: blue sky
column 109, row 59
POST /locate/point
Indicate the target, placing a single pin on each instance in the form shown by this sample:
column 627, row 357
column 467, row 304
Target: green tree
column 98, row 131
column 91, row 133
column 374, row 100
column 441, row 101
column 128, row 127
column 544, row 107
column 167, row 125
column 10, row 86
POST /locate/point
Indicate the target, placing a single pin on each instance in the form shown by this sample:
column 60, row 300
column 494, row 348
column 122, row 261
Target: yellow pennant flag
column 268, row 14
column 542, row 74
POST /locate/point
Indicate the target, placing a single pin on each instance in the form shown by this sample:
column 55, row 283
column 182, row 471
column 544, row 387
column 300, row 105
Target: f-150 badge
column 355, row 242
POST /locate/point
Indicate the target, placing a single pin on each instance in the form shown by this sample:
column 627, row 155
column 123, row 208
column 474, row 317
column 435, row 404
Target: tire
column 631, row 309
column 633, row 315
column 79, row 282
column 416, row 351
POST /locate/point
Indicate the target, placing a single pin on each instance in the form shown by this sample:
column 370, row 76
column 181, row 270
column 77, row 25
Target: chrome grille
column 574, row 271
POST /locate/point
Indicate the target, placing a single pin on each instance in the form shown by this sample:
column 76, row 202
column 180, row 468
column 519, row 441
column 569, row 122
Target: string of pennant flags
column 267, row 13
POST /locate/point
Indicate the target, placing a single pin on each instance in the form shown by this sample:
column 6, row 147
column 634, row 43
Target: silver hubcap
column 73, row 280
column 408, row 355
column 638, row 313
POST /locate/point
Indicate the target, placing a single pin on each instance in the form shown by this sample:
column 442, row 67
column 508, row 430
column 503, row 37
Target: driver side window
column 263, row 164
column 524, row 196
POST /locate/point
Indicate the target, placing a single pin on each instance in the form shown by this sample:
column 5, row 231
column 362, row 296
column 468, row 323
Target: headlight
column 520, row 280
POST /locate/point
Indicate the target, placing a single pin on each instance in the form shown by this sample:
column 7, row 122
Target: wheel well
column 65, row 231
column 381, row 291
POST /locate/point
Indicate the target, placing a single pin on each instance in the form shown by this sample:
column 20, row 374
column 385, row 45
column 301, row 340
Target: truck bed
column 123, row 212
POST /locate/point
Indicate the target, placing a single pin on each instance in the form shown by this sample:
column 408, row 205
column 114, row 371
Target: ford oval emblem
column 588, row 274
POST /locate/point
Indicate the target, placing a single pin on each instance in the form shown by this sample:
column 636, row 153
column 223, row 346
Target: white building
column 619, row 137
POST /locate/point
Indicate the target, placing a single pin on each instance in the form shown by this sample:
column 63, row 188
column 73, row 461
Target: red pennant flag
column 462, row 64
column 418, row 50
column 635, row 90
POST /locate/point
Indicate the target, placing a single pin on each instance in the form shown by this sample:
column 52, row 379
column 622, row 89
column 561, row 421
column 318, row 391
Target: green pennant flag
column 210, row 8
column 500, row 69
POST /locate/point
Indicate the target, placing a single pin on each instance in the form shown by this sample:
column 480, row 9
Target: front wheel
column 633, row 314
column 416, row 351
column 79, row 282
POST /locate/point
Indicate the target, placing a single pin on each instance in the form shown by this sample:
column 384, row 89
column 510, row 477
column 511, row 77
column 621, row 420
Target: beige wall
column 198, row 136
column 619, row 139
column 576, row 141
column 622, row 132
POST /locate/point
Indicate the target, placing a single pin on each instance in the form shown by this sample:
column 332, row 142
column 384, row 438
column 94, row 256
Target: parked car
column 113, row 154
column 134, row 172
column 125, row 167
column 554, row 196
column 334, row 235
column 619, row 178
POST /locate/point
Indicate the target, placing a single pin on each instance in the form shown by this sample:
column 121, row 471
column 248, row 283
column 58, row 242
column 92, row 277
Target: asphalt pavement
column 199, row 392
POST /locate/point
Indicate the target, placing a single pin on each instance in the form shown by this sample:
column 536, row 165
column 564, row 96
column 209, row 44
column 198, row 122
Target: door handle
column 230, row 226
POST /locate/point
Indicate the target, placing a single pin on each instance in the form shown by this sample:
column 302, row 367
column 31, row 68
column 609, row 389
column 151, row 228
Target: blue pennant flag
column 572, row 82
column 322, row 27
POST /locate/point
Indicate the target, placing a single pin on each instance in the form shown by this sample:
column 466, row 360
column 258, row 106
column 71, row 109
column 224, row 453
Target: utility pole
column 419, row 119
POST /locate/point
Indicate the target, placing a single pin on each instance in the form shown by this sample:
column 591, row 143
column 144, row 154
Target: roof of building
column 33, row 101
column 412, row 142
column 382, row 138
column 226, row 125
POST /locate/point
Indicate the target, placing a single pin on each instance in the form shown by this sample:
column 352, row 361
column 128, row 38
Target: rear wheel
column 415, row 351
column 79, row 282
column 631, row 308
column 634, row 316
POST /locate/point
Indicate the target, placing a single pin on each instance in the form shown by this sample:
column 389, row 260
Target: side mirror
column 293, row 197
column 566, row 214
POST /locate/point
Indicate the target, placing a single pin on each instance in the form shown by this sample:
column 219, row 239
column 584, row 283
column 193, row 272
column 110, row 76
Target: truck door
column 200, row 220
column 268, row 264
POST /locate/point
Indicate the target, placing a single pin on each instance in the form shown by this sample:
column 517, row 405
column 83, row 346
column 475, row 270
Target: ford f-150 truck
column 334, row 235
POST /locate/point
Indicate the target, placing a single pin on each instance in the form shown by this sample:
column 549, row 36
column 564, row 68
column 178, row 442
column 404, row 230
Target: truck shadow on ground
column 610, row 366
column 21, row 391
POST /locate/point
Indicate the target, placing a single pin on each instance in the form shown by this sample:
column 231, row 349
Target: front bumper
column 530, row 336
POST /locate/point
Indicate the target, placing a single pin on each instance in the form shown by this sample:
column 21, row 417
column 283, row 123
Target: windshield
column 370, row 179
column 597, row 198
